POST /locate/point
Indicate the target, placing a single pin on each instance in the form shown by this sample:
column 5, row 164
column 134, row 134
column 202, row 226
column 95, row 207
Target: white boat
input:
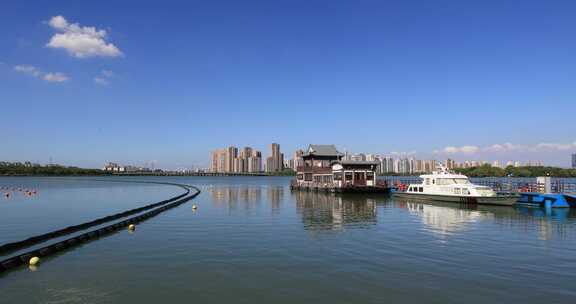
column 444, row 185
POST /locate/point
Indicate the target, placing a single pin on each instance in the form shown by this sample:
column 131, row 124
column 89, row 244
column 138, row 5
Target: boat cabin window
column 443, row 181
column 410, row 189
column 420, row 189
column 338, row 176
column 308, row 177
column 457, row 191
column 348, row 176
column 369, row 175
column 300, row 176
column 453, row 181
column 462, row 181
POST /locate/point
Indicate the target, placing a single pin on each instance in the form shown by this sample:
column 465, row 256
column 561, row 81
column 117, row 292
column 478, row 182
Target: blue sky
column 171, row 80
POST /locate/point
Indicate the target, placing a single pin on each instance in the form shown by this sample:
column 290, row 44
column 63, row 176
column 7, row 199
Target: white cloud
column 505, row 147
column 104, row 77
column 35, row 72
column 508, row 147
column 28, row 69
column 81, row 41
column 555, row 146
column 101, row 81
column 469, row 149
column 58, row 22
column 454, row 150
column 55, row 77
column 108, row 73
column 403, row 153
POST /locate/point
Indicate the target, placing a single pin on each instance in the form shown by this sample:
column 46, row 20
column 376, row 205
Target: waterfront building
column 370, row 157
column 275, row 162
column 324, row 166
column 449, row 164
column 229, row 160
column 574, row 161
column 384, row 168
column 254, row 164
column 112, row 167
column 389, row 165
column 429, row 165
column 534, row 163
column 496, row 164
column 231, row 154
column 403, row 166
column 297, row 160
column 358, row 157
column 117, row 168
column 218, row 161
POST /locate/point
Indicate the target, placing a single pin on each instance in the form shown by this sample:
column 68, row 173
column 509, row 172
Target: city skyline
column 248, row 160
column 83, row 84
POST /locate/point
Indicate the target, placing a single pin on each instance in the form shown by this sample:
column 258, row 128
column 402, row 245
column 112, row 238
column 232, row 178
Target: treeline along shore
column 490, row 171
column 30, row 169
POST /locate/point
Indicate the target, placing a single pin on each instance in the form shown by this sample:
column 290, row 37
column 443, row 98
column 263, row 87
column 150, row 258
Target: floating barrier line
column 11, row 247
column 24, row 258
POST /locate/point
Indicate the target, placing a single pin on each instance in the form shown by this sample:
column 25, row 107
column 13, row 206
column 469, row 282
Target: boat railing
column 522, row 186
column 498, row 185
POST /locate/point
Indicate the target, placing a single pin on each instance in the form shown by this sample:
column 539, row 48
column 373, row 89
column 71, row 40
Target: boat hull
column 499, row 200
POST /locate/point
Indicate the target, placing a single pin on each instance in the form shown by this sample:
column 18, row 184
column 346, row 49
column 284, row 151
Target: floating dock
column 549, row 200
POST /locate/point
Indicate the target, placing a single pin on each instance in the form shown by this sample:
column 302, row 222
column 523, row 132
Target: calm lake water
column 252, row 240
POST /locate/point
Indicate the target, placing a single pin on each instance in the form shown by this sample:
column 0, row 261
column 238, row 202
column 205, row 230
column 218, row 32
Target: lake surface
column 252, row 240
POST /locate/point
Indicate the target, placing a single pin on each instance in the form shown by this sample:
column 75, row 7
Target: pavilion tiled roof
column 322, row 150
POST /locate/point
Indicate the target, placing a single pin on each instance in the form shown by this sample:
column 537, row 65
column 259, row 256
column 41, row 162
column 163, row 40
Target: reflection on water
column 253, row 240
column 443, row 220
column 322, row 211
column 246, row 197
column 329, row 212
column 446, row 219
column 548, row 222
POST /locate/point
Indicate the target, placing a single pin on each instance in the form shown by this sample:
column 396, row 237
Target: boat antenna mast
column 440, row 168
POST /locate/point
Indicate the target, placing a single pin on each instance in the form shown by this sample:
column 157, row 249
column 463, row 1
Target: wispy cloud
column 55, row 77
column 81, row 41
column 104, row 77
column 403, row 153
column 108, row 73
column 457, row 150
column 101, row 81
column 28, row 69
column 37, row 73
column 508, row 147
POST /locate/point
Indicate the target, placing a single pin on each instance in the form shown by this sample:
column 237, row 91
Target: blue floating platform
column 549, row 200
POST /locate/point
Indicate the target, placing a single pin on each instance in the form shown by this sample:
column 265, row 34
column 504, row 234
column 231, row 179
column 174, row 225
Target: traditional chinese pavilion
column 324, row 169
